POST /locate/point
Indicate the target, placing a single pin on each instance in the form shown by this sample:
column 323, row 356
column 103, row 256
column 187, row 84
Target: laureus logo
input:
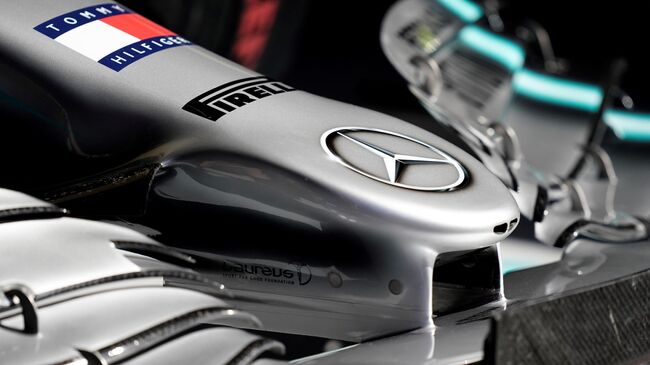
column 304, row 274
column 359, row 149
column 292, row 274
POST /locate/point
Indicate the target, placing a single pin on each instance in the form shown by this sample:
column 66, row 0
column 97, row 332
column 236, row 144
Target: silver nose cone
column 417, row 166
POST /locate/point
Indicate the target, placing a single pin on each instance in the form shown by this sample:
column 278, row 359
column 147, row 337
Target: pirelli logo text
column 231, row 96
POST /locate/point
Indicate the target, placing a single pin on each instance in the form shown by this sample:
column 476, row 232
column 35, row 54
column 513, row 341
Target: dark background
column 331, row 48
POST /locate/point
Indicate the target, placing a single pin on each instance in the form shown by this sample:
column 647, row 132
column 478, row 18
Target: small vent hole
column 501, row 228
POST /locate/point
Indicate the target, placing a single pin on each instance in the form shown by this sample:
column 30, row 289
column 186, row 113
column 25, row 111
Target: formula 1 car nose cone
column 228, row 166
column 408, row 163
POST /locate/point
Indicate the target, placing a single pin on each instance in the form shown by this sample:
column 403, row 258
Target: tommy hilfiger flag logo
column 110, row 34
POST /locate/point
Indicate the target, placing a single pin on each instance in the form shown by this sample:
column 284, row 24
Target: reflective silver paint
column 89, row 299
column 396, row 162
column 247, row 162
column 10, row 199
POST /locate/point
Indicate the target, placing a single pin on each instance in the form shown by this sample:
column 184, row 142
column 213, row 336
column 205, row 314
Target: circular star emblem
column 430, row 169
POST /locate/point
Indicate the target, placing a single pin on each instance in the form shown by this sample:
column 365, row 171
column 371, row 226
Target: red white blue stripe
column 110, row 34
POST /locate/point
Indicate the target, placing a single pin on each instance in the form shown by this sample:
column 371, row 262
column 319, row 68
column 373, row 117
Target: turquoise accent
column 512, row 266
column 467, row 11
column 554, row 90
column 629, row 126
column 500, row 49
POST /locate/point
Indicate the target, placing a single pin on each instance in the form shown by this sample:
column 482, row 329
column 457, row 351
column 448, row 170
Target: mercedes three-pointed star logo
column 394, row 162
